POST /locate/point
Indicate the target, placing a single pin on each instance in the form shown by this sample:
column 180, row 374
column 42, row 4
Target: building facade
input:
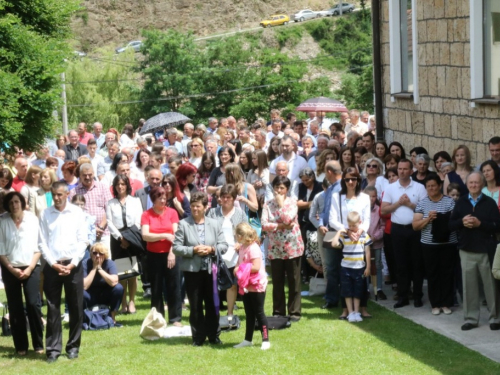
column 441, row 73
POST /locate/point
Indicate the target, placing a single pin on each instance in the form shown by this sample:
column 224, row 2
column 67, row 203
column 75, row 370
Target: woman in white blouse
column 350, row 199
column 19, row 260
column 123, row 211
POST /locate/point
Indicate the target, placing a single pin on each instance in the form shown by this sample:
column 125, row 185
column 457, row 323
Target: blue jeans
column 333, row 257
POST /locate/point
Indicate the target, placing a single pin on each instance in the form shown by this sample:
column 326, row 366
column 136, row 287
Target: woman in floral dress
column 279, row 220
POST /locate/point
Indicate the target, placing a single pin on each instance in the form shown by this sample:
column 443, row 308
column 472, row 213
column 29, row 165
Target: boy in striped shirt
column 355, row 249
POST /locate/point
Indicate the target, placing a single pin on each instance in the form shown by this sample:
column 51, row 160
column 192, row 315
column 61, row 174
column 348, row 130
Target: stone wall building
column 441, row 73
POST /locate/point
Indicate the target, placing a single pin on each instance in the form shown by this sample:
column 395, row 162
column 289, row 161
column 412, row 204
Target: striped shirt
column 444, row 205
column 354, row 252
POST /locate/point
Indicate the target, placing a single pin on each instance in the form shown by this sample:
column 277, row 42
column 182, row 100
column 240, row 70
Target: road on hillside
column 291, row 23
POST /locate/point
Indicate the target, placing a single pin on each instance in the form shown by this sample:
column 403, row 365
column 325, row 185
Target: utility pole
column 341, row 10
column 64, row 107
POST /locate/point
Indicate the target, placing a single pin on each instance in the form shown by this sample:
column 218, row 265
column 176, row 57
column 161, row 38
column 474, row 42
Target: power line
column 226, row 70
column 199, row 95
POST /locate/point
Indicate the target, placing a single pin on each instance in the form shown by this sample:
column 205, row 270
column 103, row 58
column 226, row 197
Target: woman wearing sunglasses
column 100, row 281
column 351, row 199
column 373, row 173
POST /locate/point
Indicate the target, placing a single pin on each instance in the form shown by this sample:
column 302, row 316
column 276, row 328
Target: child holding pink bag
column 252, row 281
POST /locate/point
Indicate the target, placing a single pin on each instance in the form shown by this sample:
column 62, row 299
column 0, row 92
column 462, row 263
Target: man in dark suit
column 74, row 149
column 154, row 180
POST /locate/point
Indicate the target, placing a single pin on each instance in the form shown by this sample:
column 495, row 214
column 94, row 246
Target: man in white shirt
column 212, row 125
column 171, row 135
column 356, row 125
column 62, row 241
column 188, row 136
column 98, row 136
column 94, row 157
column 275, row 131
column 400, row 199
column 295, row 163
column 282, row 170
column 104, row 165
column 260, row 136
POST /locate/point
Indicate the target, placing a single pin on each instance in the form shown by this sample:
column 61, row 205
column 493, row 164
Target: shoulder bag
column 253, row 221
column 5, row 322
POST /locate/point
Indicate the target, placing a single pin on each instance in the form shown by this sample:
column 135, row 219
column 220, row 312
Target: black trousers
column 290, row 268
column 73, row 290
column 439, row 265
column 14, row 290
column 145, row 278
column 389, row 257
column 199, row 289
column 254, row 309
column 160, row 276
column 409, row 260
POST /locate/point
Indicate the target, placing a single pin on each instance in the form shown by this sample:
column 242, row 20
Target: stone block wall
column 444, row 117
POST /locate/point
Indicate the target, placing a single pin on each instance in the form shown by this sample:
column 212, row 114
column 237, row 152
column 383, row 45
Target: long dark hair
column 397, row 144
column 248, row 154
column 118, row 178
column 203, row 169
column 496, row 170
column 176, row 191
column 271, row 155
column 354, row 172
column 229, row 150
column 116, row 160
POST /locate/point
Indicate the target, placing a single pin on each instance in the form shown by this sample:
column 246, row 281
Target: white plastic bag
column 154, row 325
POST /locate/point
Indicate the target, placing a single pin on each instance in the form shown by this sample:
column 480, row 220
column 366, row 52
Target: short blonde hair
column 353, row 217
column 247, row 234
column 100, row 248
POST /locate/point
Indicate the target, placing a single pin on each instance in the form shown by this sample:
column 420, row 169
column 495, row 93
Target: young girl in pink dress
column 252, row 282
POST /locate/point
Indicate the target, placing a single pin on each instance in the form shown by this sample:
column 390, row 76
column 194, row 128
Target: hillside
column 115, row 22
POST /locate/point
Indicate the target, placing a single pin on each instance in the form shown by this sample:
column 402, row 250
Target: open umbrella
column 163, row 121
column 321, row 104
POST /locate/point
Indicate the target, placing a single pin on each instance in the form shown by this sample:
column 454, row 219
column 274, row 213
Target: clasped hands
column 404, row 200
column 202, row 250
column 470, row 221
column 63, row 270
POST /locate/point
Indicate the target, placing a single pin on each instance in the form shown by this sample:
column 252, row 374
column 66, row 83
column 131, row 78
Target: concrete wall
column 443, row 119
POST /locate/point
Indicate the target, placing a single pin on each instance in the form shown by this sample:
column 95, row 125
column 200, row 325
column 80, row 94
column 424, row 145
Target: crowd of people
column 308, row 198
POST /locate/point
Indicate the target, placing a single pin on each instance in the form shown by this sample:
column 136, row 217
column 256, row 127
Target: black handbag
column 276, row 322
column 5, row 323
column 225, row 279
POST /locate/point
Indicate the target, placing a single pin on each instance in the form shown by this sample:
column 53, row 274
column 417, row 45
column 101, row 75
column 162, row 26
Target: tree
column 94, row 86
column 33, row 48
column 171, row 67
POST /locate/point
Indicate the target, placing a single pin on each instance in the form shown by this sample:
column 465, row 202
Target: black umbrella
column 163, row 121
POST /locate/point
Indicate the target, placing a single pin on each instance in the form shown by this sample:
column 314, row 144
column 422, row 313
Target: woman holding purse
column 122, row 212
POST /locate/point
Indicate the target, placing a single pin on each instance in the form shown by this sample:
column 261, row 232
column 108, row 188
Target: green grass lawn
column 318, row 344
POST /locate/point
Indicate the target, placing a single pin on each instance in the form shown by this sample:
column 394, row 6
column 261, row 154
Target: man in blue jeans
column 332, row 258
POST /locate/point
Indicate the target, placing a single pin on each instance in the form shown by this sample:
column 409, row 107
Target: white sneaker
column 358, row 317
column 65, row 318
column 243, row 344
column 265, row 345
column 1, row 305
column 351, row 318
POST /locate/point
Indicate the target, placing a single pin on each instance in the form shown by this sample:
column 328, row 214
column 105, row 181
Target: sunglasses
column 350, row 179
column 96, row 253
column 372, row 166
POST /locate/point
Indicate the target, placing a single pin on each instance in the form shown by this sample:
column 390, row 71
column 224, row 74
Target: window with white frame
column 403, row 48
column 485, row 49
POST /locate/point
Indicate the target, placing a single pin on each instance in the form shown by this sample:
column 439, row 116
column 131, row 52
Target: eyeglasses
column 96, row 253
column 372, row 166
column 354, row 179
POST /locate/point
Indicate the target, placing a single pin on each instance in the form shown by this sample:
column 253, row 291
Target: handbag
column 225, row 279
column 5, row 322
column 317, row 286
column 132, row 235
column 276, row 322
column 97, row 318
column 253, row 221
column 154, row 326
column 127, row 268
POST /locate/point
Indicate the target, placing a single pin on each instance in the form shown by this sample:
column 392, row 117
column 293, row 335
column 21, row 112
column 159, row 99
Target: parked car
column 135, row 45
column 305, row 14
column 275, row 20
column 335, row 11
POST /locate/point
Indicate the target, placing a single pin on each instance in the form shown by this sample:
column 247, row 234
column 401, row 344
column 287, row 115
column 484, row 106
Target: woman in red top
column 159, row 225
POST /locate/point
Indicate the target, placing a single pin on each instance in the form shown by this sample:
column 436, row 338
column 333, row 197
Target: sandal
column 21, row 353
column 177, row 324
column 130, row 310
column 39, row 351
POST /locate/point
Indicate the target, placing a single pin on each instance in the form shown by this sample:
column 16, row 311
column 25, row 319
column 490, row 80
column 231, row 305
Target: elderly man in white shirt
column 295, row 163
column 400, row 199
column 62, row 241
column 275, row 131
column 356, row 125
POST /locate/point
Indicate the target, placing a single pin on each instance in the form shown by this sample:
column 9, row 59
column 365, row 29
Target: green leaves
column 32, row 52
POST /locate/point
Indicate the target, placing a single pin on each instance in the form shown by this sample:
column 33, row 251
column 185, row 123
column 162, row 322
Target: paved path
column 480, row 339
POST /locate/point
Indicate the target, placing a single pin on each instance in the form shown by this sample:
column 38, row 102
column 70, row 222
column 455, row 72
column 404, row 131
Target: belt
column 406, row 226
column 64, row 262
